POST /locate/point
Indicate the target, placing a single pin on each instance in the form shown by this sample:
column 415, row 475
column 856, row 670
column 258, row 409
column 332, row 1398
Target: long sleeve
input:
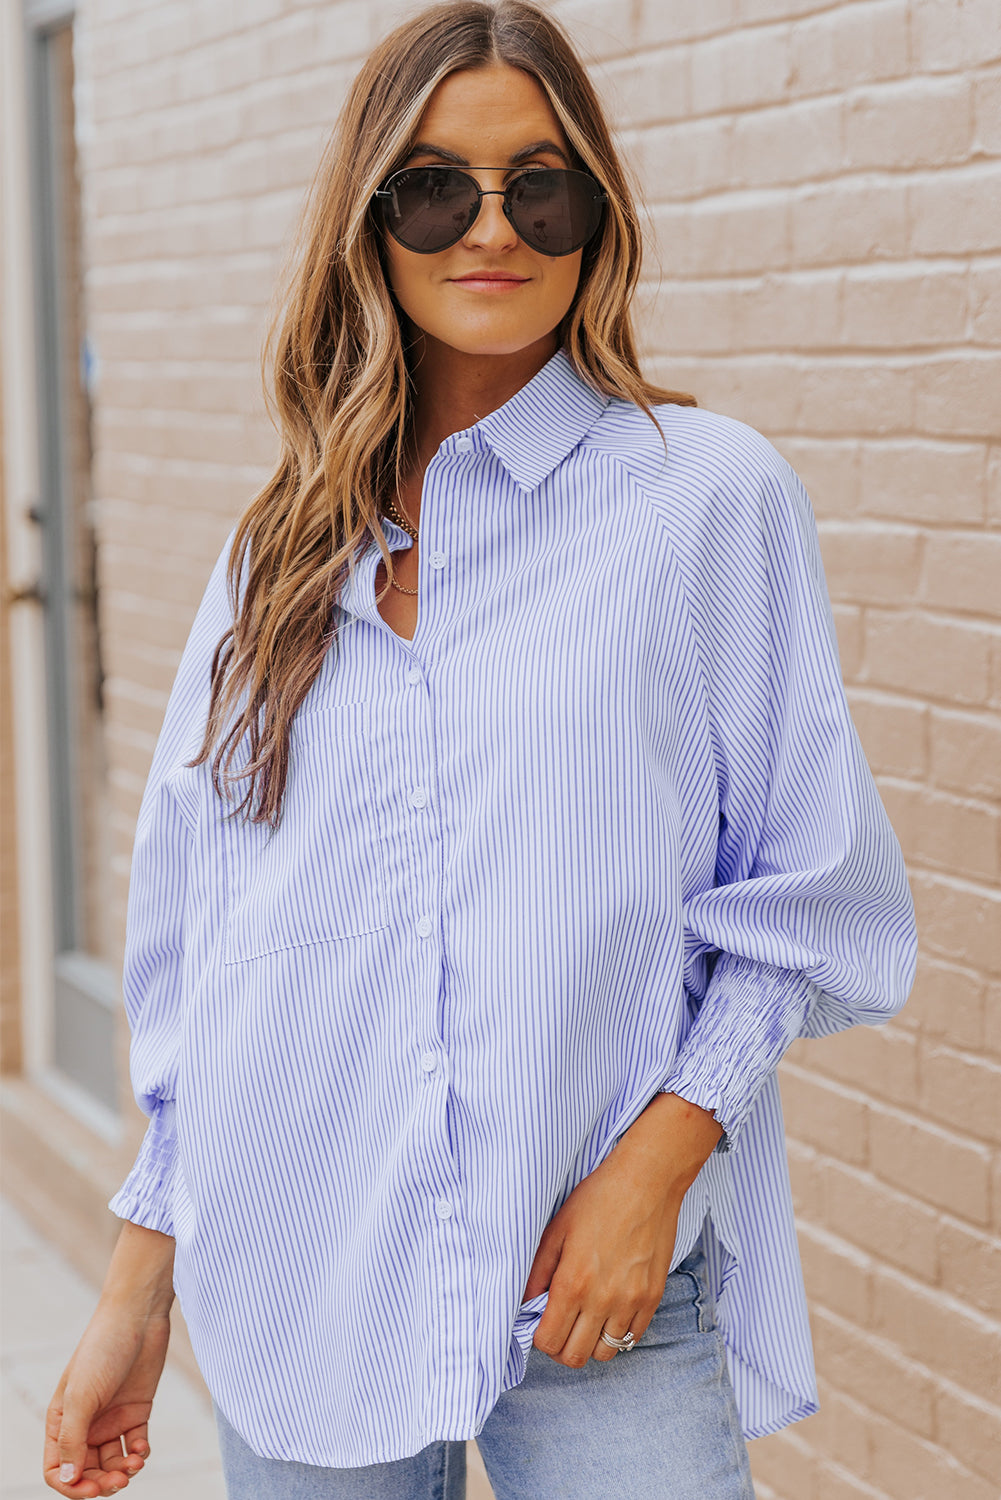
column 153, row 969
column 811, row 917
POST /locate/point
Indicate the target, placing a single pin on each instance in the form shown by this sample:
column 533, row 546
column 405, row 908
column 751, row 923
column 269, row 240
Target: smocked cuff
column 751, row 1013
column 146, row 1196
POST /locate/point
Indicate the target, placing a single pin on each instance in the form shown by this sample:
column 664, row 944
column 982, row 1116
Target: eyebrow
column 537, row 148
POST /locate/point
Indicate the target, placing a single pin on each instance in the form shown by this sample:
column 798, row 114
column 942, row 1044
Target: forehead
column 489, row 112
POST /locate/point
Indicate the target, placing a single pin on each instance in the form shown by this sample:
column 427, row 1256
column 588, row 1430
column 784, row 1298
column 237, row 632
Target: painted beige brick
column 947, row 1002
column 940, row 1167
column 880, row 1059
column 875, row 1370
column 649, row 90
column 919, row 480
column 941, row 830
column 857, row 395
column 963, row 1090
column 829, row 468
column 895, row 307
column 966, row 1345
column 687, row 161
column 959, row 920
column 805, row 1173
column 738, row 70
column 962, row 573
column 841, row 1428
column 959, row 395
column 849, row 623
column 795, row 312
column 789, row 143
column 894, row 733
column 852, row 221
column 914, row 1469
column 947, row 37
column 992, row 1019
column 915, row 122
column 837, row 1483
column 827, row 1115
column 850, row 45
column 970, row 1427
column 971, row 1266
column 867, row 562
column 888, row 1224
column 931, row 654
column 985, row 302
column 742, row 233
column 657, row 22
column 786, row 1460
column 987, row 112
column 952, row 213
column 837, row 1275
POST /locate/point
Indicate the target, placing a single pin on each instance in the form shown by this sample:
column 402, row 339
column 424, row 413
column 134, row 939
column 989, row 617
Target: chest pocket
column 320, row 876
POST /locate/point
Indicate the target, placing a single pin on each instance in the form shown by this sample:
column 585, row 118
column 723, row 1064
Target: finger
column 71, row 1441
column 611, row 1326
column 107, row 1482
column 581, row 1340
column 557, row 1321
column 83, row 1487
column 110, row 1454
column 136, row 1448
column 547, row 1258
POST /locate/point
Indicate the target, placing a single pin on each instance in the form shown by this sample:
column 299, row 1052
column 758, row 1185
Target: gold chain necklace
column 396, row 514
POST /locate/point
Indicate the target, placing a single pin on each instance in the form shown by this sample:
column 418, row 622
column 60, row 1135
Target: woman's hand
column 96, row 1427
column 605, row 1255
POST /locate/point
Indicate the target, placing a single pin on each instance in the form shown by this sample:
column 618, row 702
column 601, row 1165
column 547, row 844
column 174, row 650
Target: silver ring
column 625, row 1342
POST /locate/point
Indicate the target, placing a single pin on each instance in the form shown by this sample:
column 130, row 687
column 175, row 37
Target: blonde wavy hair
column 341, row 387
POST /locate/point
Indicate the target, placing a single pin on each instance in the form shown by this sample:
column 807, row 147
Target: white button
column 437, row 560
column 418, row 797
column 429, row 1062
column 464, row 445
column 443, row 1208
column 424, row 927
column 413, row 674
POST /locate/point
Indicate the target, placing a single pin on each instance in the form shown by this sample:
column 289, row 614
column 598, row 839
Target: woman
column 506, row 824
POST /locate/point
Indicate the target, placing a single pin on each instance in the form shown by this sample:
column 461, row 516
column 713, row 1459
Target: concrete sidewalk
column 45, row 1306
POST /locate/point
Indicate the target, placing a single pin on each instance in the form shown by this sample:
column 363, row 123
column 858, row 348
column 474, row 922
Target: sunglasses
column 427, row 209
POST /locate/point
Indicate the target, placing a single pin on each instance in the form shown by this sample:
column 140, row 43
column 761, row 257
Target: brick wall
column 823, row 188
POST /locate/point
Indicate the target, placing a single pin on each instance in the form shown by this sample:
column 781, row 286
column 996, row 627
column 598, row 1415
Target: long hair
column 342, row 398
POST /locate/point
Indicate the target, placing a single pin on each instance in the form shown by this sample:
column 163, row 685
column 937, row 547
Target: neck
column 452, row 390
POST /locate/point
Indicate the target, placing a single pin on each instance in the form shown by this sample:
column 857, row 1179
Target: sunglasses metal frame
column 384, row 193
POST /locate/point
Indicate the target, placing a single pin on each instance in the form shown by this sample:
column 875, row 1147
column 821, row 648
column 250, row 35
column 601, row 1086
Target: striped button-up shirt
column 602, row 828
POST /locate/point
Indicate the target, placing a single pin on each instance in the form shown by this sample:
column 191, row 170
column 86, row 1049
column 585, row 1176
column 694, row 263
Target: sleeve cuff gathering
column 146, row 1196
column 751, row 1013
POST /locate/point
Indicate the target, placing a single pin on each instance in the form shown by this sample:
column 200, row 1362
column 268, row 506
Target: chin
column 495, row 341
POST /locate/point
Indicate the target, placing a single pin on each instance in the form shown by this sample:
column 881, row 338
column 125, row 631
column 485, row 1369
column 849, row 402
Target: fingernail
column 66, row 1472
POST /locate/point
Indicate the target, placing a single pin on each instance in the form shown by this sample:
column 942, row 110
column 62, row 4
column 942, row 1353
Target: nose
column 491, row 229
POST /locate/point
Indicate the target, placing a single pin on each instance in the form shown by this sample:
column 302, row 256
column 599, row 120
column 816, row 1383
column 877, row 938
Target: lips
column 494, row 276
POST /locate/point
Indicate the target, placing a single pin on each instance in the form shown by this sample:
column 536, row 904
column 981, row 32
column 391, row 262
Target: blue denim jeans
column 658, row 1422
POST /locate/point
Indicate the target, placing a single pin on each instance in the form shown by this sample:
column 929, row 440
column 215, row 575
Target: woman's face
column 490, row 293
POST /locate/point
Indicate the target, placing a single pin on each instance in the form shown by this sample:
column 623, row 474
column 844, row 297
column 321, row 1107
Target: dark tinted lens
column 429, row 208
column 556, row 212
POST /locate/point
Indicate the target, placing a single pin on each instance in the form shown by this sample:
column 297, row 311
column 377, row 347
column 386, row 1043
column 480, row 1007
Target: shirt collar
column 535, row 431
column 531, row 434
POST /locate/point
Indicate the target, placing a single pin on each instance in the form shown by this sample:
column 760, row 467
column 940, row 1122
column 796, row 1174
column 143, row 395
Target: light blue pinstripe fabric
column 602, row 828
